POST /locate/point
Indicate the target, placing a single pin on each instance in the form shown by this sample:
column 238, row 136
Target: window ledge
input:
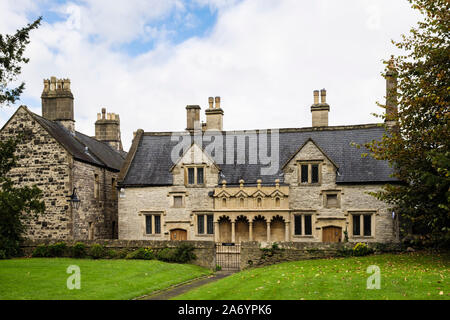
column 302, row 236
column 205, row 235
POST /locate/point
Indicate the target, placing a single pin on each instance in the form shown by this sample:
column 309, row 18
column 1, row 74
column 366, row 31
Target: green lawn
column 405, row 276
column 45, row 278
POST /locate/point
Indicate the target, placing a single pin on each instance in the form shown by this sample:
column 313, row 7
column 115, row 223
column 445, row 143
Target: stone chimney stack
column 214, row 115
column 391, row 94
column 57, row 102
column 193, row 117
column 107, row 129
column 320, row 110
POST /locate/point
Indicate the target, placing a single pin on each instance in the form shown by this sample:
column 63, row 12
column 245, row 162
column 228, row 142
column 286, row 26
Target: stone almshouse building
column 218, row 187
column 58, row 159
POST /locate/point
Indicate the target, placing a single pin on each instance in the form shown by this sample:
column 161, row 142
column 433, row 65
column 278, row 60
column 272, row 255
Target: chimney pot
column 316, row 96
column 217, row 102
column 323, row 96
column 211, row 102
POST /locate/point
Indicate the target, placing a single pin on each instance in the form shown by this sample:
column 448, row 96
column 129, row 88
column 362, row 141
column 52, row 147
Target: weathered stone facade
column 240, row 216
column 319, row 191
column 42, row 161
column 59, row 160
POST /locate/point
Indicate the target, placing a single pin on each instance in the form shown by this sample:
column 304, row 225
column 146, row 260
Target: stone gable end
column 42, row 161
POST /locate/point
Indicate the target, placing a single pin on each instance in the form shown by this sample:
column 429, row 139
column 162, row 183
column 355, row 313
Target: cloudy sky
column 148, row 59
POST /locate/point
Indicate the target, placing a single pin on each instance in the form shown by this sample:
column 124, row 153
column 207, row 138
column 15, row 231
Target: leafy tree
column 417, row 146
column 16, row 203
column 12, row 48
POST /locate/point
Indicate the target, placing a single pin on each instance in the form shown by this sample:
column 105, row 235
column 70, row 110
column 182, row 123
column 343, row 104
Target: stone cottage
column 62, row 162
column 299, row 184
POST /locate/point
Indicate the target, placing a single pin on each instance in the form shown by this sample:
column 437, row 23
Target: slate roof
column 97, row 153
column 151, row 163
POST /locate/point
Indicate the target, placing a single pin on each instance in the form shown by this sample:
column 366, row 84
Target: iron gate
column 228, row 256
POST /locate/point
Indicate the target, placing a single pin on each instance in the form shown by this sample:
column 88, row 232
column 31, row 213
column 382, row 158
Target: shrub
column 78, row 250
column 97, row 251
column 361, row 249
column 142, row 253
column 166, row 255
column 218, row 267
column 2, row 254
column 344, row 252
column 122, row 253
column 10, row 247
column 41, row 251
column 111, row 254
column 182, row 254
column 185, row 253
column 57, row 249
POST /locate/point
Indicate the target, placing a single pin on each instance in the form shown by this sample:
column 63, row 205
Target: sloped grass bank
column 402, row 276
column 46, row 278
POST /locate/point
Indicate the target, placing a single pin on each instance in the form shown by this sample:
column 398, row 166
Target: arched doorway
column 259, row 229
column 242, row 229
column 277, row 229
column 331, row 234
column 224, row 229
column 178, row 234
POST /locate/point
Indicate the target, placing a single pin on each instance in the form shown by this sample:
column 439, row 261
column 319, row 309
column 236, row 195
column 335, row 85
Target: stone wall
column 43, row 162
column 97, row 215
column 253, row 255
column 295, row 199
column 204, row 250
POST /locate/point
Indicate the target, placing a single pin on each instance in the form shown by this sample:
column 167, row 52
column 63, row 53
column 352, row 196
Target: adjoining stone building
column 59, row 159
column 300, row 184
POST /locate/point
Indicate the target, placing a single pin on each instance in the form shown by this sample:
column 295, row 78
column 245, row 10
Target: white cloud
column 264, row 58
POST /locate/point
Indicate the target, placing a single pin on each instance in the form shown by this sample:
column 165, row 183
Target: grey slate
column 152, row 162
column 98, row 153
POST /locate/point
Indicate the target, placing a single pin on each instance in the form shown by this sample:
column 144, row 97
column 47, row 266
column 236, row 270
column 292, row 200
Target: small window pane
column 178, row 201
column 356, row 225
column 210, row 224
column 308, row 225
column 304, row 173
column 332, row 200
column 157, row 224
column 315, row 173
column 298, row 225
column 201, row 224
column 367, row 225
column 199, row 175
column 148, row 224
column 191, row 176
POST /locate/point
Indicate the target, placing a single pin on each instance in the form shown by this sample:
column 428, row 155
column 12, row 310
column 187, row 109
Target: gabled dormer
column 195, row 168
column 310, row 166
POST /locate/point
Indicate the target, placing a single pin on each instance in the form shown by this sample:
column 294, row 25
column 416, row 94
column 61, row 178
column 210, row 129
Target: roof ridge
column 281, row 130
column 102, row 142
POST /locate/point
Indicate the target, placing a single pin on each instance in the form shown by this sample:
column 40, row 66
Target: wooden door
column 178, row 234
column 331, row 234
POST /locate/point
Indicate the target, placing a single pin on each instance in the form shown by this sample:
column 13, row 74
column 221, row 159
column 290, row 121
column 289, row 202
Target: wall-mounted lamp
column 74, row 199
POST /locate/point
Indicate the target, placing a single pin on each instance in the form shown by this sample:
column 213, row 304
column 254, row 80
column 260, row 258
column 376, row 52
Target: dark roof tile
column 152, row 161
